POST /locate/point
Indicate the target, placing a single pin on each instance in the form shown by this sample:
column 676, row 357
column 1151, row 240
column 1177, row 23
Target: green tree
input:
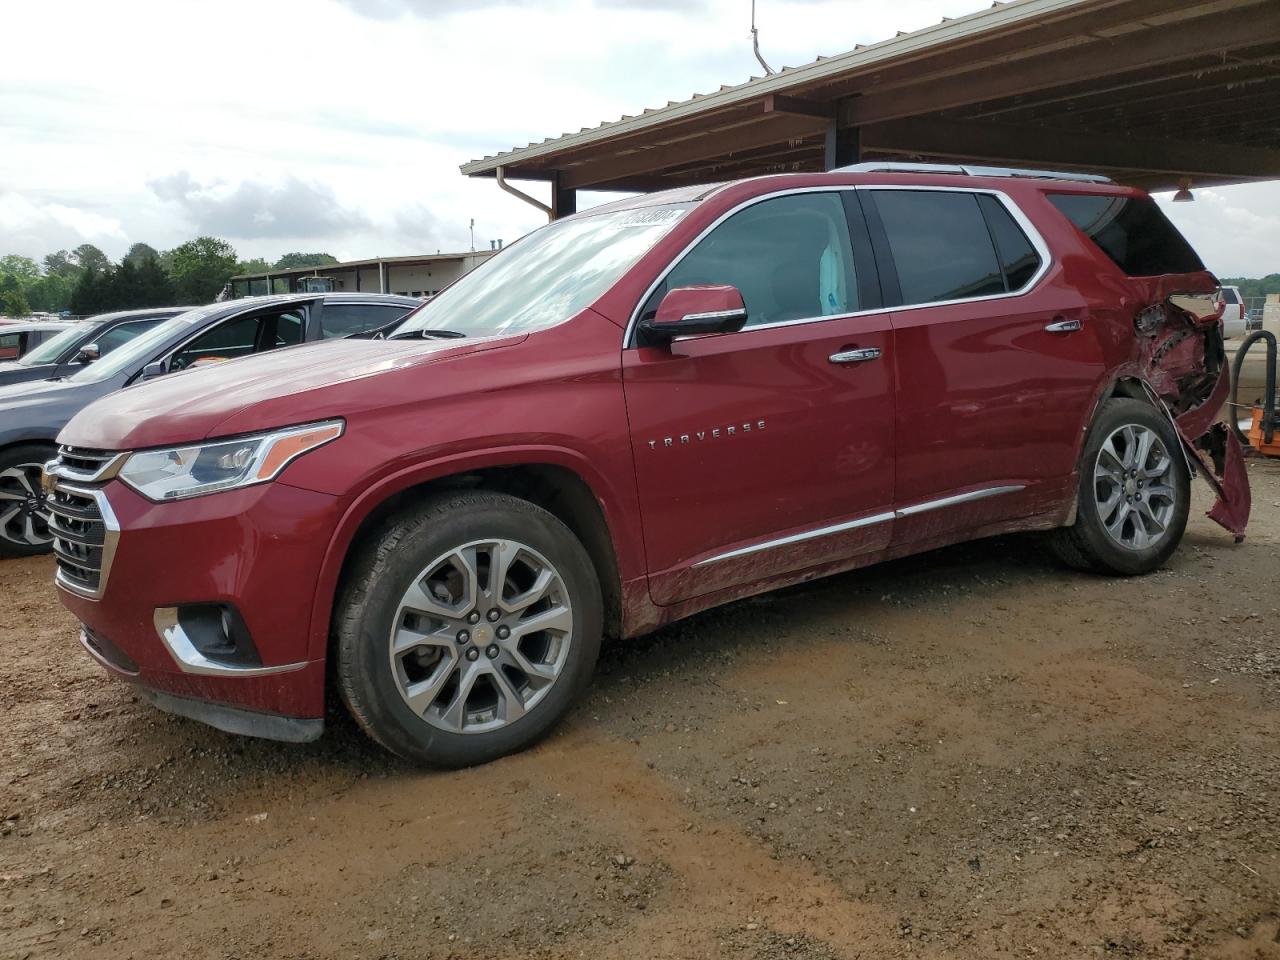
column 256, row 265
column 88, row 257
column 24, row 269
column 89, row 293
column 51, row 293
column 13, row 299
column 61, row 264
column 155, row 288
column 140, row 252
column 200, row 268
column 292, row 260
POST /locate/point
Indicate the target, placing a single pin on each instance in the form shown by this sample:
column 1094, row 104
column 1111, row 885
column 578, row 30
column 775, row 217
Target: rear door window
column 344, row 319
column 10, row 346
column 1132, row 231
column 940, row 245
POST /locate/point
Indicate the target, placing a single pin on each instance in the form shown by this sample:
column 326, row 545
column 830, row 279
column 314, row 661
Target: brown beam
column 795, row 106
column 1228, row 30
column 1195, row 78
column 1046, row 146
column 765, row 130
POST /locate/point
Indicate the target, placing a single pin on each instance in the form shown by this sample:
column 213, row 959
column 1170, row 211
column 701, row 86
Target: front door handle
column 856, row 356
column 1064, row 326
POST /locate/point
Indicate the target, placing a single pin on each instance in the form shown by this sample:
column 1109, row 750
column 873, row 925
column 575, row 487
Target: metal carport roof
column 1146, row 91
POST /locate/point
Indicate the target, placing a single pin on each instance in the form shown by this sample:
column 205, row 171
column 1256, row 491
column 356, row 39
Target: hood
column 187, row 406
column 20, row 396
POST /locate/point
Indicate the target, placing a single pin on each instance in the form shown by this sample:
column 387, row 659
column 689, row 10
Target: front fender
column 618, row 506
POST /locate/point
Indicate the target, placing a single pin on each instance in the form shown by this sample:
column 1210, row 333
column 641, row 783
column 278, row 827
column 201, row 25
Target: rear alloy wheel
column 24, row 511
column 467, row 627
column 1133, row 496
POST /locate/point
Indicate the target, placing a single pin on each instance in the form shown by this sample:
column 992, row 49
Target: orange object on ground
column 1256, row 440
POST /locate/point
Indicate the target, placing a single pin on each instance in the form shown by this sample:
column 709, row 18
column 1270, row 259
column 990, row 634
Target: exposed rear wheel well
column 556, row 489
column 1130, row 387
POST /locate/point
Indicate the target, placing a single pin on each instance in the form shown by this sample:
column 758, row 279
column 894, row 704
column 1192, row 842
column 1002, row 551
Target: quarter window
column 1132, row 231
column 789, row 256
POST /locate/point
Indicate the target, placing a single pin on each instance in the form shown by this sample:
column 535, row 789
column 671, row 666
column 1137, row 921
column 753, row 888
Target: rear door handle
column 856, row 356
column 1064, row 326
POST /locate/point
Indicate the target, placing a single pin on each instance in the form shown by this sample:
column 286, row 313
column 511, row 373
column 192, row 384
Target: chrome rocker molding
column 190, row 660
column 866, row 521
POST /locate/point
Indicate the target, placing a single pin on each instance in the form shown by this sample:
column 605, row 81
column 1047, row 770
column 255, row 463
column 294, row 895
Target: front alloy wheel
column 466, row 627
column 481, row 636
column 24, row 508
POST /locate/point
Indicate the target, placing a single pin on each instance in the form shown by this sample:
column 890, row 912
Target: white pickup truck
column 1234, row 321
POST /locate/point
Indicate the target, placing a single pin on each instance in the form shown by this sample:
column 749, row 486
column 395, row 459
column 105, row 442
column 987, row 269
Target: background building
column 418, row 276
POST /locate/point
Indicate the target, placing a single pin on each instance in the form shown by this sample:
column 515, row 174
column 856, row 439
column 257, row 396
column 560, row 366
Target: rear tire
column 1134, row 493
column 467, row 627
column 24, row 519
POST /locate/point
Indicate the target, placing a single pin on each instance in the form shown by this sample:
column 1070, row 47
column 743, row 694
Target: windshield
column 548, row 276
column 50, row 350
column 141, row 349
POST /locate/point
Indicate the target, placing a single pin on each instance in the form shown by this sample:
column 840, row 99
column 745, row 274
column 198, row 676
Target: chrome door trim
column 1023, row 221
column 870, row 520
column 958, row 498
column 799, row 537
column 190, row 660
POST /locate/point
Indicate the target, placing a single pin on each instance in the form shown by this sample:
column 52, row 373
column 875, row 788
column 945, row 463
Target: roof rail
column 968, row 170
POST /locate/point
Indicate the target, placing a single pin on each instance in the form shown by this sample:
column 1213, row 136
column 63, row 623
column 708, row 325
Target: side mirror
column 686, row 311
column 152, row 370
column 88, row 353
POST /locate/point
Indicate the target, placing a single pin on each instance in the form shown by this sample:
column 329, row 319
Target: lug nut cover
column 473, row 654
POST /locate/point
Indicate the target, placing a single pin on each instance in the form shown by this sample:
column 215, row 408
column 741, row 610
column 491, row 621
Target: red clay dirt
column 969, row 754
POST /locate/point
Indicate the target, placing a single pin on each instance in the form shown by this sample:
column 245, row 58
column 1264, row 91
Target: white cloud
column 36, row 228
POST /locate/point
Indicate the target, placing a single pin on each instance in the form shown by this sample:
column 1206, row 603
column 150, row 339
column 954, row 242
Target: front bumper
column 257, row 550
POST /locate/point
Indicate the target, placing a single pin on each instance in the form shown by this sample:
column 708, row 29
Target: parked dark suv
column 31, row 414
column 77, row 344
column 636, row 413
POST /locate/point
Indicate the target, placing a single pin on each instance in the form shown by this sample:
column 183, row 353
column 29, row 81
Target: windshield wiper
column 427, row 335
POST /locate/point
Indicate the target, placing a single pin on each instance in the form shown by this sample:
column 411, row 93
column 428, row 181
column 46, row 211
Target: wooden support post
column 564, row 200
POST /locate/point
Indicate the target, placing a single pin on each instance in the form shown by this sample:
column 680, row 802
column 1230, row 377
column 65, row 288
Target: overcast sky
column 339, row 125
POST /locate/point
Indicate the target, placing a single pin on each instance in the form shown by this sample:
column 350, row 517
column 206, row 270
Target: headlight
column 180, row 472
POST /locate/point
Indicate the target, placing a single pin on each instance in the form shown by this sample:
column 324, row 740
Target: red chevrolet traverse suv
column 631, row 415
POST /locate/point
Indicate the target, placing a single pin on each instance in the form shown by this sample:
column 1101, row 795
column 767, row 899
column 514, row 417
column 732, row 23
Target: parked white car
column 1234, row 323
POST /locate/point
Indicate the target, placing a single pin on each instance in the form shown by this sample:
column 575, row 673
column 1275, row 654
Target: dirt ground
column 973, row 753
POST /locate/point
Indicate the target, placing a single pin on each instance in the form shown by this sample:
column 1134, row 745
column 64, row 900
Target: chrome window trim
column 110, row 537
column 191, row 660
column 869, row 520
column 1022, row 220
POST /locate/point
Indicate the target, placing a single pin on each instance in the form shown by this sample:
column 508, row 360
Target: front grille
column 79, row 537
column 83, row 527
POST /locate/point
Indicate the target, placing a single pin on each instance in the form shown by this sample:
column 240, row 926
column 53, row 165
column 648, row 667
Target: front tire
column 467, row 628
column 24, row 518
column 1134, row 493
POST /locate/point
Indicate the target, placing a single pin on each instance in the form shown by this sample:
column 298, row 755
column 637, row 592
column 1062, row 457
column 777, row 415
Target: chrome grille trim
column 81, row 465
